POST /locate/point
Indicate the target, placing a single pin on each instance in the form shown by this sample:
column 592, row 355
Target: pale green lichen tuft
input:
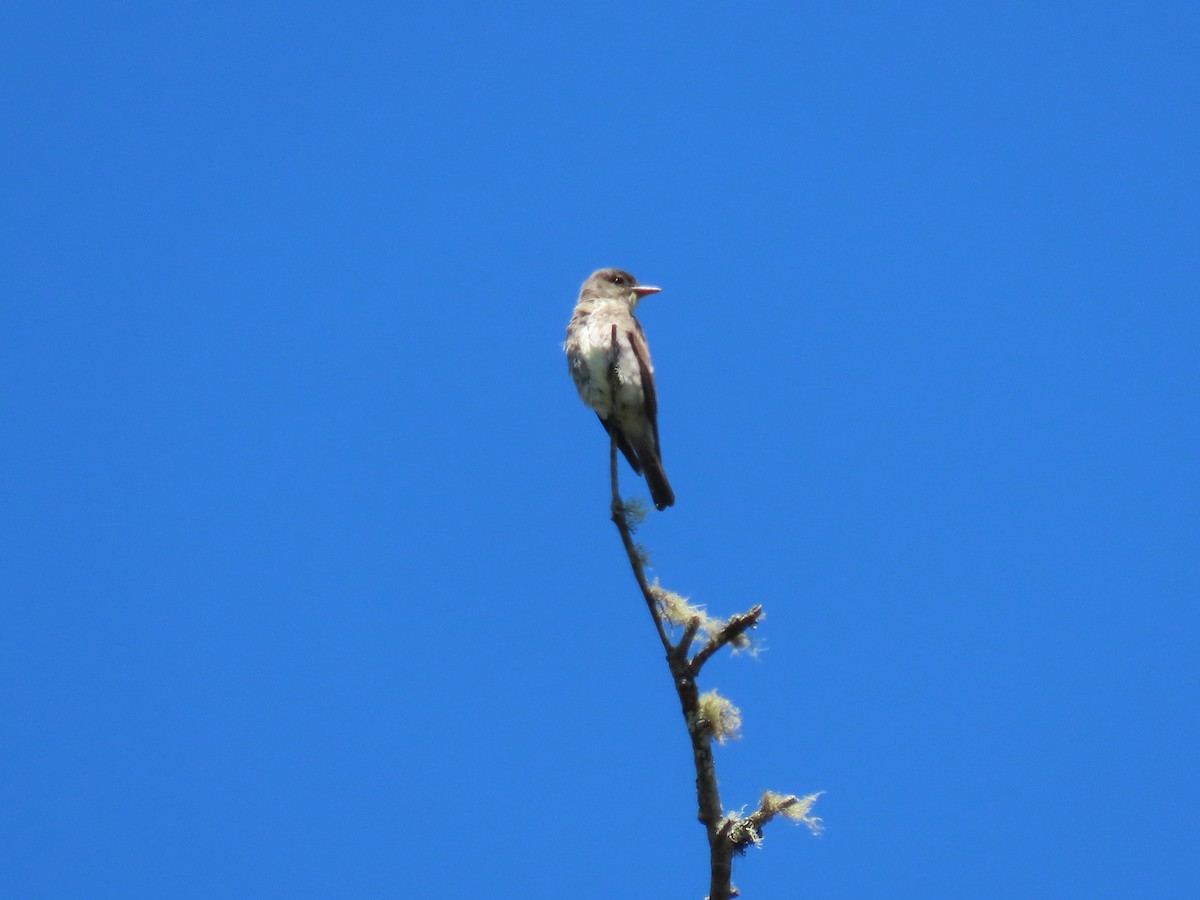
column 719, row 718
column 798, row 809
column 678, row 611
column 634, row 511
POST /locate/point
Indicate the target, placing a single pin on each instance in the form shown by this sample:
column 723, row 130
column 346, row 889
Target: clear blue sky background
column 309, row 584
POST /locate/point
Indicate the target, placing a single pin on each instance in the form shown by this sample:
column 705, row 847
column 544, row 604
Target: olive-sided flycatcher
column 605, row 346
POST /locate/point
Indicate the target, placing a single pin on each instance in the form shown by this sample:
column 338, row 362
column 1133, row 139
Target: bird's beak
column 643, row 289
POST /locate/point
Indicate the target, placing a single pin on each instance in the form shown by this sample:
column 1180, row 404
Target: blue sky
column 309, row 585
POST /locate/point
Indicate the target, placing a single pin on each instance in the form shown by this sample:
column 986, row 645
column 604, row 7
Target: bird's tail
column 656, row 480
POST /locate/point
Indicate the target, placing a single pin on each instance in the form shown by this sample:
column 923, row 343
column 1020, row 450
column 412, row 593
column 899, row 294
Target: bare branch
column 709, row 717
column 699, row 730
column 620, row 518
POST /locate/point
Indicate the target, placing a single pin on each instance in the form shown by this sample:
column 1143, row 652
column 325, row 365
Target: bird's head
column 614, row 284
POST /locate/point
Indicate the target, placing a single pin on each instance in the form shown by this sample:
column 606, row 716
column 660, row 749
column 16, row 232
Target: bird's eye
column 617, row 279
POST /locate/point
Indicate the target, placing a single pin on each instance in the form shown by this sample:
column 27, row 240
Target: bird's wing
column 641, row 351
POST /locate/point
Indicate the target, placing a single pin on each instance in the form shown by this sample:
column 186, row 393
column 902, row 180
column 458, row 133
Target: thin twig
column 689, row 635
column 733, row 629
column 621, row 520
column 743, row 833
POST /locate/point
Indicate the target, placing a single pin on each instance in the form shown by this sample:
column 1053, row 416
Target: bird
column 605, row 347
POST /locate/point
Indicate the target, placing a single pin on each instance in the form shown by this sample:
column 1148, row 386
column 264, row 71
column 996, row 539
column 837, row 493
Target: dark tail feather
column 623, row 446
column 656, row 480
